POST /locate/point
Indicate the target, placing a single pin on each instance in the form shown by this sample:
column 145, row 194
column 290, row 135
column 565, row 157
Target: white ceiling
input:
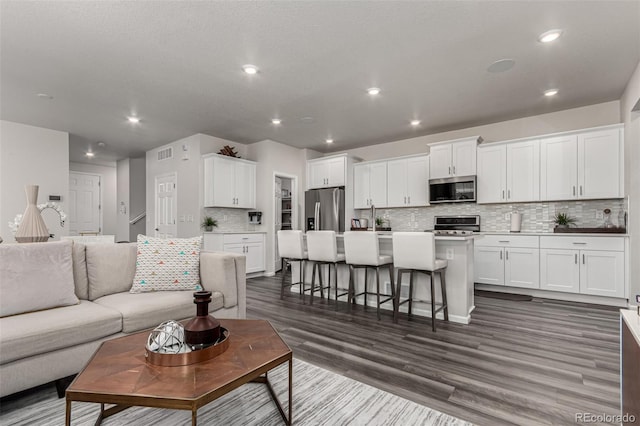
column 177, row 65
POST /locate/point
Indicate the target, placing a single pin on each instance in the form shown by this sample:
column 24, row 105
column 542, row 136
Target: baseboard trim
column 555, row 295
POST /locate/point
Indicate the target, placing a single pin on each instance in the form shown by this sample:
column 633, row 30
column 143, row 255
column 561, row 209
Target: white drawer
column 523, row 241
column 243, row 238
column 583, row 243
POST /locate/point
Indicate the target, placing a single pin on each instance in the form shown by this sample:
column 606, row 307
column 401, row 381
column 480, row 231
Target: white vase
column 32, row 228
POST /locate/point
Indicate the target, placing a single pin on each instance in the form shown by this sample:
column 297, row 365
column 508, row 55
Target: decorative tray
column 187, row 358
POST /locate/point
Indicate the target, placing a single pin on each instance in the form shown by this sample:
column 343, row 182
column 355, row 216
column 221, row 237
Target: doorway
column 285, row 210
column 84, row 204
column 165, row 205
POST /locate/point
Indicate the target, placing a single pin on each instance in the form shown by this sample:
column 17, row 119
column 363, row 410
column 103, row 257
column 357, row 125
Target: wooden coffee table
column 118, row 373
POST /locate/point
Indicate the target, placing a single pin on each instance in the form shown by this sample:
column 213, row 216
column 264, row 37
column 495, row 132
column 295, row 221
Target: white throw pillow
column 167, row 264
column 36, row 276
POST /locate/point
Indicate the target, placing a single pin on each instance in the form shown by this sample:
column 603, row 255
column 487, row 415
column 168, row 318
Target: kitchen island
column 458, row 250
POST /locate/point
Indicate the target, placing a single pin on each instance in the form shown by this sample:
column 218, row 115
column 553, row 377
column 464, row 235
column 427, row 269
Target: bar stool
column 361, row 251
column 416, row 252
column 322, row 249
column 291, row 249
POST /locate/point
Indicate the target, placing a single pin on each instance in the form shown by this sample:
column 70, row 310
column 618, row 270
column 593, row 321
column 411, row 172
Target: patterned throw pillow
column 166, row 264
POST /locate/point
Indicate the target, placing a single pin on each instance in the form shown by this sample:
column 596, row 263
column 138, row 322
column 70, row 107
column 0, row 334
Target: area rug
column 320, row 397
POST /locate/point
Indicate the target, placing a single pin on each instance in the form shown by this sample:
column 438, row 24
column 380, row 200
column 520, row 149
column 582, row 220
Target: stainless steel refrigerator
column 324, row 209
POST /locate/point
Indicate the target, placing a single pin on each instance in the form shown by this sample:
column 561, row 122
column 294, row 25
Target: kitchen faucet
column 373, row 217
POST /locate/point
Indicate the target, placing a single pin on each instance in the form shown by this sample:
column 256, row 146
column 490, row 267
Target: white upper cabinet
column 408, row 182
column 453, row 158
column 327, row 172
column 584, row 165
column 492, row 174
column 509, row 172
column 229, row 182
column 370, row 185
column 600, row 164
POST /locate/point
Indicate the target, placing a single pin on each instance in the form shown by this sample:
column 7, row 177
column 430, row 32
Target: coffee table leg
column 194, row 416
column 291, row 389
column 67, row 417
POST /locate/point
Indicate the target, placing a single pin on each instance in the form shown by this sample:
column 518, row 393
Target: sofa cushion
column 110, row 268
column 35, row 276
column 147, row 310
column 80, row 271
column 46, row 331
column 167, row 264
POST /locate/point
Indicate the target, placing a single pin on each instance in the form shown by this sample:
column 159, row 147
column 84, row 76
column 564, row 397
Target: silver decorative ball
column 167, row 338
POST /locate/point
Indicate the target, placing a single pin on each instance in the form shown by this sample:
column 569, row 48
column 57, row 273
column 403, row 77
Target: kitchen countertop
column 632, row 319
column 555, row 234
column 236, row 232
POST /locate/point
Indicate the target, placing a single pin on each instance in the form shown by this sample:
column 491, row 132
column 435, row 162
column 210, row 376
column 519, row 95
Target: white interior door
column 84, row 203
column 166, row 206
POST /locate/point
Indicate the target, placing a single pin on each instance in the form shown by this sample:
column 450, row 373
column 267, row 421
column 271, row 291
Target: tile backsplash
column 237, row 220
column 536, row 217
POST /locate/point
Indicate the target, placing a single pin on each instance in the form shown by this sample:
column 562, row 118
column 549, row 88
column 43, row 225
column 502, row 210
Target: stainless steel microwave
column 460, row 189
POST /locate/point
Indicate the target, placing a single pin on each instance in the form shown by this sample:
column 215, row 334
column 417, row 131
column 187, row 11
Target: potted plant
column 563, row 220
column 208, row 223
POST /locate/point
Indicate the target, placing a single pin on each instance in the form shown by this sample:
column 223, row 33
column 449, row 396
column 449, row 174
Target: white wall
column 108, row 191
column 276, row 158
column 122, row 200
column 32, row 155
column 190, row 178
column 631, row 120
column 137, row 195
column 571, row 119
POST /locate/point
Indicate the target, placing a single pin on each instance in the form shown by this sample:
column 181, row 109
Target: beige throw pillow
column 35, row 276
column 167, row 264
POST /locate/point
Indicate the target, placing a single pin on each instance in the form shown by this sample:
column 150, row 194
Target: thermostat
column 55, row 198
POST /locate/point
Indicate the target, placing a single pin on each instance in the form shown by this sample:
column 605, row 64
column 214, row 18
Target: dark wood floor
column 519, row 362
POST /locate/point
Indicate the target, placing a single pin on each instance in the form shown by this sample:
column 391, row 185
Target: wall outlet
column 224, row 218
column 413, row 217
column 449, row 254
column 190, row 218
column 599, row 214
column 507, row 216
column 181, row 219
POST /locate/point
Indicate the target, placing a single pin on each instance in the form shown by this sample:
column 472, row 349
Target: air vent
column 165, row 154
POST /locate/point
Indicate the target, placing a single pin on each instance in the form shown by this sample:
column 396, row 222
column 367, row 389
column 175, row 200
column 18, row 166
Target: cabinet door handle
column 405, row 200
column 574, row 190
column 503, row 194
column 454, row 170
column 449, row 169
column 500, row 254
column 506, row 253
column 575, row 258
column 583, row 258
column 580, row 189
column 508, row 194
column 409, row 200
column 504, row 241
column 579, row 243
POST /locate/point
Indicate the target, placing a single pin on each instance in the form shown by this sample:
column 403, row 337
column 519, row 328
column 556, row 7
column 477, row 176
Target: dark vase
column 203, row 330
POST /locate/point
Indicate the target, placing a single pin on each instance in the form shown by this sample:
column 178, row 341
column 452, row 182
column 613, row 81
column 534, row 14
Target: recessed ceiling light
column 89, row 154
column 133, row 120
column 549, row 36
column 329, row 140
column 373, row 91
column 101, row 144
column 415, row 122
column 250, row 69
column 276, row 121
column 44, row 96
column 551, row 92
column 501, row 66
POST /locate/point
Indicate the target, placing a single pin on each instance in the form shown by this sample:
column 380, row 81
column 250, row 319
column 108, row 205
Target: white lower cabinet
column 507, row 260
column 586, row 265
column 249, row 245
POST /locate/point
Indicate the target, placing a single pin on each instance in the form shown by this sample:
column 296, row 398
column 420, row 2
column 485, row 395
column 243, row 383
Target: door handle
column 574, row 190
column 504, row 241
column 575, row 258
column 449, row 169
column 157, row 229
column 508, row 193
column 454, row 170
column 580, row 189
column 503, row 194
column 583, row 258
column 405, row 200
column 579, row 243
column 409, row 199
column 507, row 254
column 500, row 254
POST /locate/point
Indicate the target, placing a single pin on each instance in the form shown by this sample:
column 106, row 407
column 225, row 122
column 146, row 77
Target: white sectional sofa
column 50, row 344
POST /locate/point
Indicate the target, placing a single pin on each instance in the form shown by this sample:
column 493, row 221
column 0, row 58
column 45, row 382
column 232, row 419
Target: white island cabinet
column 251, row 245
column 457, row 250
